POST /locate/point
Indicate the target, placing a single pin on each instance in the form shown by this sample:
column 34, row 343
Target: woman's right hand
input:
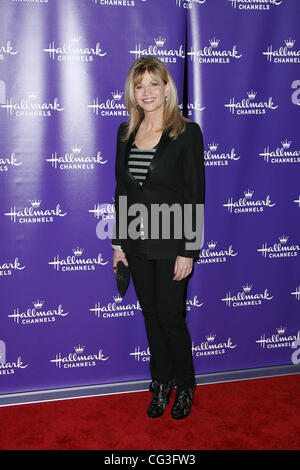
column 119, row 255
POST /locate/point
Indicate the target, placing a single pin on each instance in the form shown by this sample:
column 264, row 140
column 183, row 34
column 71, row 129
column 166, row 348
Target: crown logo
column 79, row 349
column 76, row 39
column 210, row 337
column 251, row 94
column 248, row 194
column 283, row 239
column 35, row 202
column 212, row 244
column 118, row 298
column 76, row 149
column 281, row 330
column 78, row 251
column 160, row 41
column 117, row 95
column 214, row 42
column 286, row 143
column 289, row 42
column 213, row 146
column 247, row 288
column 32, row 96
column 38, row 303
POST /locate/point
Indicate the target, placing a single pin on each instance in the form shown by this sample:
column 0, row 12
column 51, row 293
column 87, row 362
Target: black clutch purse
column 123, row 277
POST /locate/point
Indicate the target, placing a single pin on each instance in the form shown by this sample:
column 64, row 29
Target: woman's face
column 150, row 93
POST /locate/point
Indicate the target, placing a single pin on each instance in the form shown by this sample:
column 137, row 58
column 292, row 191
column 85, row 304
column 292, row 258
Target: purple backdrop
column 62, row 70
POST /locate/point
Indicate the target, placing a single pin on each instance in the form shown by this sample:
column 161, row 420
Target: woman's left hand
column 183, row 267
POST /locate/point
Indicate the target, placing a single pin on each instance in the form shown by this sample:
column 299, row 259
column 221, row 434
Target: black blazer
column 176, row 175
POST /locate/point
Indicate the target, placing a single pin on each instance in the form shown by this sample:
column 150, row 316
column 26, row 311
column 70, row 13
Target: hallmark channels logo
column 44, row 2
column 141, row 355
column 37, row 314
column 112, row 107
column 296, row 293
column 34, row 214
column 9, row 162
column 115, row 309
column 77, row 262
column 105, row 214
column 212, row 347
column 254, row 5
column 75, row 160
column 118, row 3
column 279, row 339
column 79, row 358
column 7, row 268
column 74, row 51
column 12, row 366
column 159, row 50
column 250, row 105
column 213, row 54
column 31, row 107
column 280, row 249
column 247, row 204
column 283, row 154
column 192, row 108
column 245, row 297
column 103, row 211
column 286, row 54
column 193, row 303
column 7, row 50
column 215, row 157
column 212, row 254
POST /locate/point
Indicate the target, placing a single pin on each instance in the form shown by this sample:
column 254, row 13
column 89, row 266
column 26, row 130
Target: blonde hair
column 173, row 121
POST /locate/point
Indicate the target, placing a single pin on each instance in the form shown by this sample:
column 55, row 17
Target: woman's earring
column 166, row 98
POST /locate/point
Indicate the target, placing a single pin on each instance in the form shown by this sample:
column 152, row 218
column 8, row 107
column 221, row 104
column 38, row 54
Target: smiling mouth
column 150, row 100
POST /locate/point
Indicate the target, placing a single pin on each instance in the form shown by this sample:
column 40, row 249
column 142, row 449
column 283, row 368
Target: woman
column 160, row 163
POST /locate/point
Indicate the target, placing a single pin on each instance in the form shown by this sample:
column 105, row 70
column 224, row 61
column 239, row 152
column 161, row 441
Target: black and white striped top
column 138, row 164
column 139, row 161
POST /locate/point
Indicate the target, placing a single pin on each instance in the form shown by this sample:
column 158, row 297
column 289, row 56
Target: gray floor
column 139, row 386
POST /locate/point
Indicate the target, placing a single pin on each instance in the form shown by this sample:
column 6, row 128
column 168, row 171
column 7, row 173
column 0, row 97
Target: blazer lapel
column 126, row 157
column 161, row 146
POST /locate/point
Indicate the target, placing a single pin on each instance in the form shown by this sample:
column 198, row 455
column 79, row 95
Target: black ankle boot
column 171, row 385
column 161, row 396
column 183, row 403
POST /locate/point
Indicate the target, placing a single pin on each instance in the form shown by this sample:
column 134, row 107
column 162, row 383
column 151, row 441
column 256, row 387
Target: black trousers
column 163, row 303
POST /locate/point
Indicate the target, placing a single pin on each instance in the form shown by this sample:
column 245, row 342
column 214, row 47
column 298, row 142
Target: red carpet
column 248, row 415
